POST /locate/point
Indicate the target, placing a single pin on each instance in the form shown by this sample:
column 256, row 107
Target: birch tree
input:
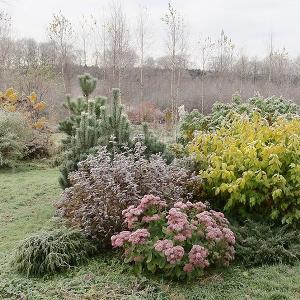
column 61, row 32
column 176, row 45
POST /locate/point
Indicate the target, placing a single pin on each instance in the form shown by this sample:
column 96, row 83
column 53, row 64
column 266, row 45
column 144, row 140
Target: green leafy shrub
column 262, row 244
column 251, row 167
column 104, row 186
column 180, row 242
column 269, row 108
column 14, row 135
column 48, row 252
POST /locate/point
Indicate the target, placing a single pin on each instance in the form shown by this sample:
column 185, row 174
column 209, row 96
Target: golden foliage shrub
column 251, row 167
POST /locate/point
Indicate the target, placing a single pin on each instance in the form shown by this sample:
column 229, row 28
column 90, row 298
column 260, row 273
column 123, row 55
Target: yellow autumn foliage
column 250, row 166
column 32, row 97
column 11, row 95
column 40, row 123
column 40, row 106
column 28, row 106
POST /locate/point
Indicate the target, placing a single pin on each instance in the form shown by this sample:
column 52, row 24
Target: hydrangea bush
column 180, row 242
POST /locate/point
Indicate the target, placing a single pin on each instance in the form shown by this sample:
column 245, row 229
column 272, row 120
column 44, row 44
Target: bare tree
column 60, row 31
column 100, row 32
column 206, row 47
column 5, row 41
column 142, row 46
column 270, row 57
column 223, row 60
column 86, row 28
column 117, row 42
column 176, row 44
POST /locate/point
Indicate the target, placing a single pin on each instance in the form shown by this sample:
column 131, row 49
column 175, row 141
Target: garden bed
column 27, row 198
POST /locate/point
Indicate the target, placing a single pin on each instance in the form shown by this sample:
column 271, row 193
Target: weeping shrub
column 262, row 244
column 48, row 252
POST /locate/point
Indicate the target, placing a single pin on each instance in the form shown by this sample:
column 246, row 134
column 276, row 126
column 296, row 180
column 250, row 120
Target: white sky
column 249, row 23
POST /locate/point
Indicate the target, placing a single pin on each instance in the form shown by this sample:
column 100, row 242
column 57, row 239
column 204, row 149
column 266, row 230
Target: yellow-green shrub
column 250, row 166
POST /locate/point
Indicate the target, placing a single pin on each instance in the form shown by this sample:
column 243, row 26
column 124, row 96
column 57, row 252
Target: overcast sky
column 249, row 23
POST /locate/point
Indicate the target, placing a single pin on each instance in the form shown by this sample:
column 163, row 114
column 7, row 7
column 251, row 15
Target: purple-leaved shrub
column 180, row 241
column 103, row 187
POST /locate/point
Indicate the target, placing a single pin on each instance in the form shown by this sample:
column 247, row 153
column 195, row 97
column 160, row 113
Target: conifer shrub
column 103, row 186
column 250, row 167
column 93, row 123
column 179, row 241
column 259, row 243
column 48, row 252
column 14, row 135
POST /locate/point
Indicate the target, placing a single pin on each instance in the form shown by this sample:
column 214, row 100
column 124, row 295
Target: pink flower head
column 229, row 255
column 214, row 233
column 206, row 219
column 188, row 268
column 229, row 236
column 150, row 200
column 163, row 245
column 200, row 206
column 198, row 256
column 139, row 236
column 131, row 215
column 118, row 240
column 177, row 220
column 148, row 219
column 174, row 254
column 180, row 237
column 180, row 205
column 219, row 217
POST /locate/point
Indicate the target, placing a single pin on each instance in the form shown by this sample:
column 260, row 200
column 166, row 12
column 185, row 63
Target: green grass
column 26, row 206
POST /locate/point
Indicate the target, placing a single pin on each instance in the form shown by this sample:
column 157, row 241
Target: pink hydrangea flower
column 214, row 234
column 180, row 205
column 180, row 237
column 229, row 236
column 118, row 240
column 131, row 215
column 174, row 254
column 177, row 220
column 140, row 236
column 219, row 216
column 206, row 219
column 198, row 256
column 163, row 245
column 199, row 206
column 148, row 219
column 150, row 200
column 188, row 268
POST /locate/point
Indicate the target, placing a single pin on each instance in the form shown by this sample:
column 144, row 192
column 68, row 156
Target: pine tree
column 82, row 143
column 88, row 84
column 115, row 125
column 79, row 105
column 93, row 123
